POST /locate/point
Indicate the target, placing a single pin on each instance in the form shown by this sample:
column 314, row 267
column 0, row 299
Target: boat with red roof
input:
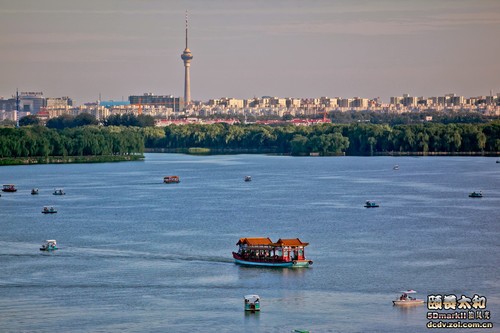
column 266, row 253
column 9, row 188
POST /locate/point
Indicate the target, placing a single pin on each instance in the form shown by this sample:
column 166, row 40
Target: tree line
column 40, row 141
column 332, row 139
column 79, row 136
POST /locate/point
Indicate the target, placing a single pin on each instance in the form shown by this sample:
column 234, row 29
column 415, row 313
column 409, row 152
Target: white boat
column 395, row 167
column 248, row 178
column 252, row 303
column 49, row 245
column 406, row 300
column 49, row 210
column 58, row 191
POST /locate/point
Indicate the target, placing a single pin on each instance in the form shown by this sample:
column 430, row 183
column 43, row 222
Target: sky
column 250, row 48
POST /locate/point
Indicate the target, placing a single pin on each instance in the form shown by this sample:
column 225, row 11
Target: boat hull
column 413, row 302
column 257, row 263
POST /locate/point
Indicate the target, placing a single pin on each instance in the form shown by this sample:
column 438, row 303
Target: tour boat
column 252, row 303
column 34, row 191
column 476, row 195
column 171, row 179
column 263, row 252
column 58, row 191
column 248, row 178
column 9, row 188
column 405, row 300
column 49, row 210
column 371, row 204
column 49, row 245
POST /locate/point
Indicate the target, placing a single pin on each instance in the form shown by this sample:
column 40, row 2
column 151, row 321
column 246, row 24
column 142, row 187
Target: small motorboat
column 406, row 300
column 9, row 188
column 395, row 167
column 248, row 178
column 59, row 191
column 49, row 245
column 252, row 303
column 171, row 179
column 34, row 191
column 49, row 210
column 476, row 194
column 371, row 204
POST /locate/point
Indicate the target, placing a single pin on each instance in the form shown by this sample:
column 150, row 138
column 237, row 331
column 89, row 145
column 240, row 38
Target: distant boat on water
column 9, row 188
column 171, row 179
column 371, row 204
column 59, row 191
column 476, row 194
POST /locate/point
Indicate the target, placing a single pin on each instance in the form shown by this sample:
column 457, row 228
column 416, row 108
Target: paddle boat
column 34, row 191
column 371, row 204
column 406, row 300
column 49, row 210
column 171, row 179
column 248, row 178
column 49, row 245
column 476, row 194
column 59, row 191
column 265, row 253
column 252, row 303
column 395, row 167
column 9, row 188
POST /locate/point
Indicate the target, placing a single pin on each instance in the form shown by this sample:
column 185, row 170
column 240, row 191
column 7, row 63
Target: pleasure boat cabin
column 265, row 252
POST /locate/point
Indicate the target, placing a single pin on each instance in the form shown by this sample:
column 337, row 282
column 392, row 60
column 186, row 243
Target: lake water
column 137, row 255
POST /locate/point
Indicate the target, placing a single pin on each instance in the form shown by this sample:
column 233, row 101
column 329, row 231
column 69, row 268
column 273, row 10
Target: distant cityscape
column 167, row 108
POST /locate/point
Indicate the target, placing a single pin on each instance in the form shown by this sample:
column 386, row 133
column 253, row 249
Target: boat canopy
column 411, row 291
column 255, row 241
column 290, row 242
column 252, row 298
column 293, row 242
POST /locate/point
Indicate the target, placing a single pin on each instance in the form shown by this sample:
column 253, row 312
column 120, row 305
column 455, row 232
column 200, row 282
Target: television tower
column 186, row 56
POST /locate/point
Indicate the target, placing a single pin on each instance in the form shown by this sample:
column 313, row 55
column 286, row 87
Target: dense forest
column 31, row 141
column 331, row 139
column 128, row 134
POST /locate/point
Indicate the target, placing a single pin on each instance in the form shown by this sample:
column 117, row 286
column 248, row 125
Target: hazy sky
column 242, row 49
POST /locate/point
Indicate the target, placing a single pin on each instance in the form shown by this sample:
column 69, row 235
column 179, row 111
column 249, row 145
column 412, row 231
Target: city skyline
column 255, row 48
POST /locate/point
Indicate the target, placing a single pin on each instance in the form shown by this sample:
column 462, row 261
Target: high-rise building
column 186, row 56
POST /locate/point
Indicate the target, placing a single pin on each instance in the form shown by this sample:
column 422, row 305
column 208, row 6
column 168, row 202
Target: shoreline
column 68, row 159
column 6, row 161
column 222, row 151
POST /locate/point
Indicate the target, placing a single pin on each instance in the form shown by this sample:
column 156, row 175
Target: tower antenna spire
column 186, row 29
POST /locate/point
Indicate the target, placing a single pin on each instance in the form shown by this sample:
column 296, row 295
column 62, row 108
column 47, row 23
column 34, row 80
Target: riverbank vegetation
column 38, row 143
column 80, row 136
column 331, row 139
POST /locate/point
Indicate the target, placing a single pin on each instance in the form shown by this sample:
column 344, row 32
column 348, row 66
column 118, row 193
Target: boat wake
column 119, row 254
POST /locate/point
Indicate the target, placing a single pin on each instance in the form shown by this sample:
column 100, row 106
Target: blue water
column 137, row 255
